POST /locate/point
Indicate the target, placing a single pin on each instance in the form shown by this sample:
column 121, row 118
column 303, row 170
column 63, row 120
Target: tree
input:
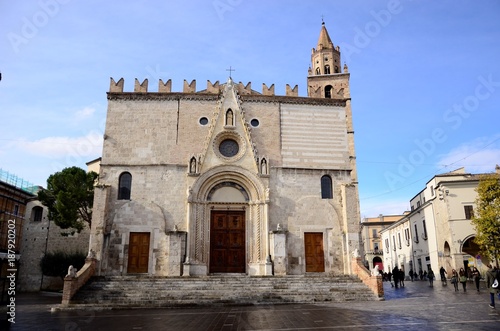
column 486, row 219
column 69, row 198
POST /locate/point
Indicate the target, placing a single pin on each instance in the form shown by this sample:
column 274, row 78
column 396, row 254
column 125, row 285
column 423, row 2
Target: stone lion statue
column 71, row 271
column 355, row 253
column 375, row 271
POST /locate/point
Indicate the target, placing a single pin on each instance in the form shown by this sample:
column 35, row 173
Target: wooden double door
column 227, row 242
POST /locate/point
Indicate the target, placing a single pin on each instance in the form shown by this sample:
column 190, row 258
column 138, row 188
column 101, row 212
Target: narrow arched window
column 328, row 91
column 337, row 70
column 318, row 71
column 229, row 117
column 327, row 69
column 124, row 186
column 326, row 187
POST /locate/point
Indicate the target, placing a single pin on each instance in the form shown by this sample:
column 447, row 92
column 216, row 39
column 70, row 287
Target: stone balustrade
column 72, row 283
column 373, row 282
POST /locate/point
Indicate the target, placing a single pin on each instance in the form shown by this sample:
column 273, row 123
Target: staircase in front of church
column 146, row 291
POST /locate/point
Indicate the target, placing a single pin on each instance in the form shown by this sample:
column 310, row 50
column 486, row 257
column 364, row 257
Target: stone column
column 187, row 264
column 268, row 267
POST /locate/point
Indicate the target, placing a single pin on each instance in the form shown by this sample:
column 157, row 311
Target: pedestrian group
column 492, row 279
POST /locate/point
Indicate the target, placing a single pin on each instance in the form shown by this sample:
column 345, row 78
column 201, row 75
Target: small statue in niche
column 192, row 166
column 263, row 167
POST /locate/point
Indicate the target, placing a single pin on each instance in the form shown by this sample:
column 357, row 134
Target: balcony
column 375, row 252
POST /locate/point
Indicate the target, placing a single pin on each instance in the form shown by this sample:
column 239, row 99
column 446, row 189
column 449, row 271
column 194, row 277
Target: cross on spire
column 230, row 71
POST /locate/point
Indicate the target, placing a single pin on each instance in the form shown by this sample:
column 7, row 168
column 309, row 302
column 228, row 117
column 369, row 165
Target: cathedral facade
column 228, row 179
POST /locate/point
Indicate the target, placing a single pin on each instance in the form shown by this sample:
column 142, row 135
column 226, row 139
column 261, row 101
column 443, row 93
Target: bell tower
column 327, row 80
column 325, row 77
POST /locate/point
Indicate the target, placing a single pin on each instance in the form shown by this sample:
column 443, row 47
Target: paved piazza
column 415, row 307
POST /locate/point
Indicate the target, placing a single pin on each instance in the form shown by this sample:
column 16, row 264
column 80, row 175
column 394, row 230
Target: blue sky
column 425, row 76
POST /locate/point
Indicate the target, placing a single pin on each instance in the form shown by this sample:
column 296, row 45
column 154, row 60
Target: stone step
column 139, row 291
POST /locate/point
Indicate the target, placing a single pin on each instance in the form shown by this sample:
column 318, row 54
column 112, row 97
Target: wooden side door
column 315, row 257
column 138, row 252
column 227, row 242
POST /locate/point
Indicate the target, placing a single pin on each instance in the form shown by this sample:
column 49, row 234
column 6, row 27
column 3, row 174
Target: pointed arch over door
column 228, row 188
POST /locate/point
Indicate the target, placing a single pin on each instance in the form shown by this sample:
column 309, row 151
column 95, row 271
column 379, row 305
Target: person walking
column 402, row 277
column 454, row 279
column 442, row 273
column 491, row 275
column 395, row 275
column 430, row 275
column 411, row 274
column 463, row 278
column 389, row 277
column 477, row 277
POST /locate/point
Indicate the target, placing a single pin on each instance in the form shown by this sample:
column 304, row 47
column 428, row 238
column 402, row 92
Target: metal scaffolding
column 18, row 182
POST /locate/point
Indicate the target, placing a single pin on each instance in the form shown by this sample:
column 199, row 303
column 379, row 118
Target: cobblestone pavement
column 417, row 306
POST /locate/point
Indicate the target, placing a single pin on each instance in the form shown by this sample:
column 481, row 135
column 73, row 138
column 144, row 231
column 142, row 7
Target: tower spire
column 325, row 64
column 324, row 40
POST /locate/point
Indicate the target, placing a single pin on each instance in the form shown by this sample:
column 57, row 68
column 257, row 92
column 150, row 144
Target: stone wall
column 38, row 238
column 298, row 207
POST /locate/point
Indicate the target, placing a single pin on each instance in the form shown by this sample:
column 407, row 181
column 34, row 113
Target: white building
column 438, row 230
column 370, row 236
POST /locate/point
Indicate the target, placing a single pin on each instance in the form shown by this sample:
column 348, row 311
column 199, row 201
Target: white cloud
column 477, row 156
column 84, row 113
column 56, row 147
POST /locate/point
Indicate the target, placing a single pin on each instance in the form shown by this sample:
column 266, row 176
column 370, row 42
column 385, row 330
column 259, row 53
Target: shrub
column 56, row 264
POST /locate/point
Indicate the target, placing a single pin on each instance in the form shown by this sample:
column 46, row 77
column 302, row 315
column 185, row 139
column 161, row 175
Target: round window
column 254, row 122
column 203, row 121
column 229, row 148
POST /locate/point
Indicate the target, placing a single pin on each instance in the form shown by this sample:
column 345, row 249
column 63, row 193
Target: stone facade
column 227, row 178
